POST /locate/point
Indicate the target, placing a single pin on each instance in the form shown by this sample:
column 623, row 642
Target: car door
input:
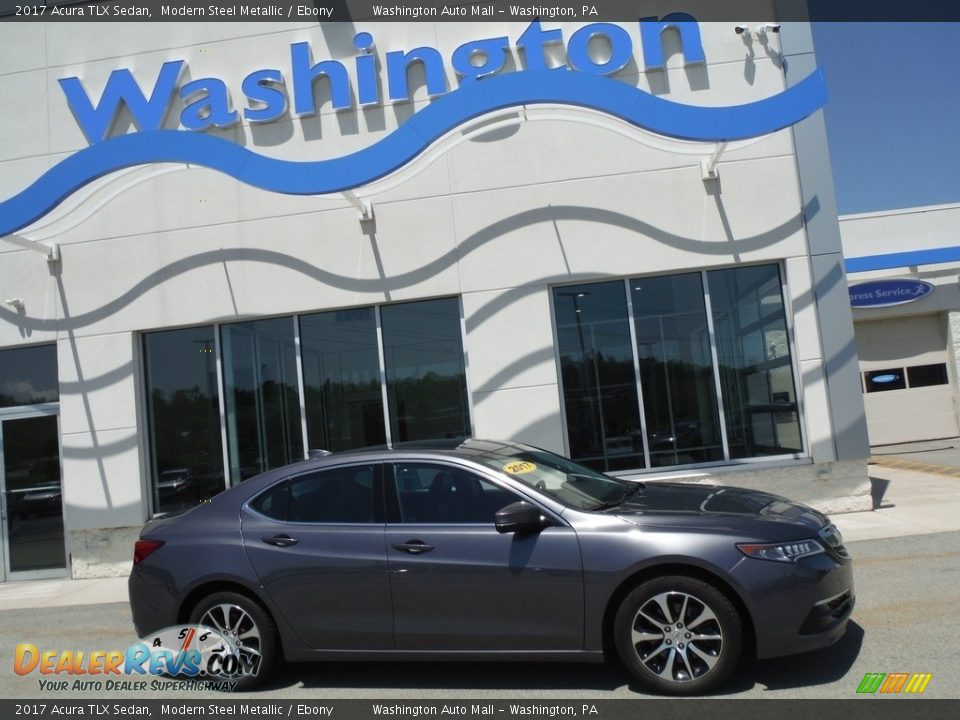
column 458, row 584
column 316, row 540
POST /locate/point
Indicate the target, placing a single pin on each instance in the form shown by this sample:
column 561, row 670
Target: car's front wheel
column 251, row 652
column 678, row 635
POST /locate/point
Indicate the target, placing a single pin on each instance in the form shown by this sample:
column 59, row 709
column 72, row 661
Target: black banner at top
column 473, row 10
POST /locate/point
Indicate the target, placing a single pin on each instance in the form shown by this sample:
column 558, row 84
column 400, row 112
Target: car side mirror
column 520, row 517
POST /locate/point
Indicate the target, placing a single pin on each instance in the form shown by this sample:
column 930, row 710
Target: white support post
column 708, row 167
column 364, row 207
column 51, row 252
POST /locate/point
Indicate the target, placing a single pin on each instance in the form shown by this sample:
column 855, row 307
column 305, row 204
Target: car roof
column 462, row 446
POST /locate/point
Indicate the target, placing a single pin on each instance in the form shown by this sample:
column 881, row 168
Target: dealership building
column 904, row 276
column 223, row 245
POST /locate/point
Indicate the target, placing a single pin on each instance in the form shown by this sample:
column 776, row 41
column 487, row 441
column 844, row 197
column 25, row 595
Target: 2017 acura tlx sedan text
column 492, row 550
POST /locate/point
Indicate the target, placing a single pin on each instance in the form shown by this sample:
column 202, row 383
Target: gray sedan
column 490, row 550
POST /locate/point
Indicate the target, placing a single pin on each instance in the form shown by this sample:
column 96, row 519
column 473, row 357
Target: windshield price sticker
column 519, row 467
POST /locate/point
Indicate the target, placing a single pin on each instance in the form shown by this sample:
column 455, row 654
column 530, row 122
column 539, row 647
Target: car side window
column 446, row 495
column 339, row 495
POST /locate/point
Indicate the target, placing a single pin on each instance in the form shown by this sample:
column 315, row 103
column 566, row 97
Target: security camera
column 769, row 27
column 741, row 29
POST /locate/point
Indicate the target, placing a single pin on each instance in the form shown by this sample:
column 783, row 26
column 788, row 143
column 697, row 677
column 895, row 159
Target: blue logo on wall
column 882, row 293
column 484, row 87
column 883, row 379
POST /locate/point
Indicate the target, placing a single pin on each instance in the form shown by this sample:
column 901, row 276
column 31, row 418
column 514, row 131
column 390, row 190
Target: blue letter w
column 122, row 90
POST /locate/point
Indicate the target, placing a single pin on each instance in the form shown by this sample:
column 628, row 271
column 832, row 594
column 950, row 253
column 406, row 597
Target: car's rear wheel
column 678, row 635
column 250, row 633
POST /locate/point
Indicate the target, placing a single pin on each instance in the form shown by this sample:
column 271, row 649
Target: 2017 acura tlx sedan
column 492, row 550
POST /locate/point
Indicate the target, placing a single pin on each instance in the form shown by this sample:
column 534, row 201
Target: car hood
column 688, row 501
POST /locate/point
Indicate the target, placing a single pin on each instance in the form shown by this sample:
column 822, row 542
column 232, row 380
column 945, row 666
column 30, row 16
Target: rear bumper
column 152, row 604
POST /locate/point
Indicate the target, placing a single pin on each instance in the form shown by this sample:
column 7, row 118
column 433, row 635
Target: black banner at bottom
column 866, row 708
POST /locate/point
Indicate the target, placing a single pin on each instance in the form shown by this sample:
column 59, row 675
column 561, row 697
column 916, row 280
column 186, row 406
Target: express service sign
column 883, row 293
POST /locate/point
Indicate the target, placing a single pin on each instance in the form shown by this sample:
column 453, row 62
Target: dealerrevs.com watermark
column 180, row 658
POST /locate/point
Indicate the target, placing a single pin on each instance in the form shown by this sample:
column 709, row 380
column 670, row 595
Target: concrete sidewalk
column 907, row 502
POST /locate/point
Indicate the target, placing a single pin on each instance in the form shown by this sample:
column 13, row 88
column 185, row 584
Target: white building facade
column 655, row 302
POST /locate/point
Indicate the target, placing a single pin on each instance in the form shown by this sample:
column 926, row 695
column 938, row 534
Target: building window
column 334, row 356
column 426, row 379
column 184, row 417
column 927, row 375
column 262, row 396
column 756, row 370
column 28, row 376
column 599, row 378
column 712, row 359
column 676, row 370
column 341, row 371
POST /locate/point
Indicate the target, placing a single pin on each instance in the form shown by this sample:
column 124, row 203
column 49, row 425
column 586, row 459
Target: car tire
column 678, row 635
column 243, row 620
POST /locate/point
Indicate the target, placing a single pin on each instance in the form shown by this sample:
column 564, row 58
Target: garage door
column 907, row 387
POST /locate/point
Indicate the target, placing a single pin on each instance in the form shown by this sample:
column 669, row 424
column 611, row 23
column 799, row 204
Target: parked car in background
column 176, row 484
column 493, row 550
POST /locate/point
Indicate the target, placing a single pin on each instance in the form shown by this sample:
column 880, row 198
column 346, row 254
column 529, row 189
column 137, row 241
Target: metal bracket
column 51, row 252
column 708, row 167
column 364, row 207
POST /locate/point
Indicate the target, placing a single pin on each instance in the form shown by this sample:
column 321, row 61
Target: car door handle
column 280, row 540
column 414, row 547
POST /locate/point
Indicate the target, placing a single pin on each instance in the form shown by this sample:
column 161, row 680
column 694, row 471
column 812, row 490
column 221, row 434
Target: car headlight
column 781, row 552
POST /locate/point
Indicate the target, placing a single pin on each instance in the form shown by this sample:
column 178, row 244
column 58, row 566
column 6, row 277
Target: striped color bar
column 871, row 683
column 918, row 682
column 894, row 682
column 891, row 683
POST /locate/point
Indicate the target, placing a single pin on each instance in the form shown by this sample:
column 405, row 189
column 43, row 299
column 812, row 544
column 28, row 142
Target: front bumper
column 801, row 606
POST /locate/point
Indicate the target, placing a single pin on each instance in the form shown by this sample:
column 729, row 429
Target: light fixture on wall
column 759, row 31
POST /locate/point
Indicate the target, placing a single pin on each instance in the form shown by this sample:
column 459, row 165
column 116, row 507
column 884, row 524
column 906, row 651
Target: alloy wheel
column 239, row 629
column 677, row 636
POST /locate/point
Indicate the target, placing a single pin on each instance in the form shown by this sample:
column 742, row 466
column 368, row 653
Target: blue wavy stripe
column 613, row 97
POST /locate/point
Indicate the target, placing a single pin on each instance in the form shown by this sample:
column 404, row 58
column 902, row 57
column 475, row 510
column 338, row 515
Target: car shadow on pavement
column 815, row 668
column 819, row 667
column 462, row 677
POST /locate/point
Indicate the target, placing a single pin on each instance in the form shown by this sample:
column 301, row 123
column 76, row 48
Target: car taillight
column 144, row 548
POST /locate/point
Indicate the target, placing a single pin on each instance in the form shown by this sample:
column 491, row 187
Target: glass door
column 31, row 499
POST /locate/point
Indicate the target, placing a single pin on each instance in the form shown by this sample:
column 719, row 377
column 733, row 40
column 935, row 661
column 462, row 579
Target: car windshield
column 555, row 476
